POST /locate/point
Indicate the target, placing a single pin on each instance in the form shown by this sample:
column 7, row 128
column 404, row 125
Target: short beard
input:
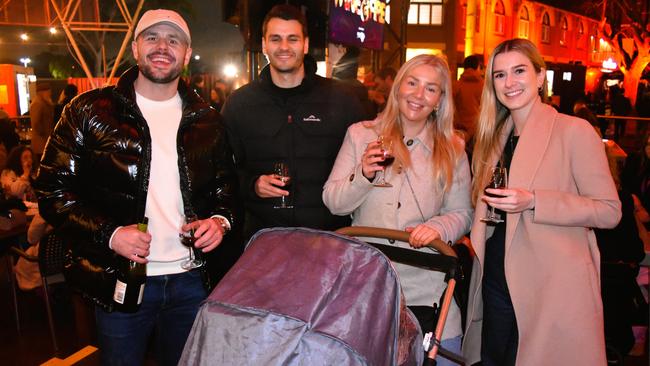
column 166, row 79
column 289, row 70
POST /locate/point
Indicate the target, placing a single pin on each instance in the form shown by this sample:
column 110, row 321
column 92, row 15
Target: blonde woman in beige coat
column 430, row 182
column 535, row 291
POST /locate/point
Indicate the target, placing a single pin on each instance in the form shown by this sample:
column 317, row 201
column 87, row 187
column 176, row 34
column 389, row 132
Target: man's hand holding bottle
column 131, row 243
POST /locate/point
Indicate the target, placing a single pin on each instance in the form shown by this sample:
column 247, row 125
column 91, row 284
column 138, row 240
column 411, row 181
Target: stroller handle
column 376, row 232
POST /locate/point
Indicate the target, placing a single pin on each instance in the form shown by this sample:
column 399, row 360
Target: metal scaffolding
column 73, row 16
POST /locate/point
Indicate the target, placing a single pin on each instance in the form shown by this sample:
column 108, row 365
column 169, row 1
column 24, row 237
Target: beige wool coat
column 552, row 262
column 348, row 192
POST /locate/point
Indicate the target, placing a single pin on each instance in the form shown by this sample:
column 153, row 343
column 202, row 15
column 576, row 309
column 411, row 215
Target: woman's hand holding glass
column 375, row 159
column 510, row 200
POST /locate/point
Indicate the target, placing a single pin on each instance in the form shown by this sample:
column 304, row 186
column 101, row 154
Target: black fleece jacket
column 305, row 128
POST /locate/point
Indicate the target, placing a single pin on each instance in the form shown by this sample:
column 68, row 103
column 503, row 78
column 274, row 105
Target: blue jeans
column 451, row 344
column 168, row 309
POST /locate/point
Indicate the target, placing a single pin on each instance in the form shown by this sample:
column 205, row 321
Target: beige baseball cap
column 153, row 17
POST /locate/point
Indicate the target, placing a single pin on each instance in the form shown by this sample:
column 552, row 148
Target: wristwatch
column 225, row 225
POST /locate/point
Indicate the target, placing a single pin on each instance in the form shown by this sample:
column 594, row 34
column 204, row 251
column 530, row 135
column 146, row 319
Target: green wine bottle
column 131, row 277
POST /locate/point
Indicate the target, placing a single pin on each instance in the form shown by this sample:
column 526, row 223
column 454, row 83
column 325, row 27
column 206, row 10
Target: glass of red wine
column 498, row 180
column 188, row 239
column 386, row 147
column 281, row 171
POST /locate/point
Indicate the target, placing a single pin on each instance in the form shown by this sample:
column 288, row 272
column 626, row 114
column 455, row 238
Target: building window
column 524, row 23
column 546, row 28
column 580, row 34
column 477, row 27
column 594, row 41
column 564, row 32
column 425, row 12
column 499, row 17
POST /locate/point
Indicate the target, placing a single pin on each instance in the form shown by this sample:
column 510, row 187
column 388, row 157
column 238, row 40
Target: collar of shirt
column 423, row 138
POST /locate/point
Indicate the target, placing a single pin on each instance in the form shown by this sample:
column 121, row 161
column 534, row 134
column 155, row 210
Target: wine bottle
column 131, row 277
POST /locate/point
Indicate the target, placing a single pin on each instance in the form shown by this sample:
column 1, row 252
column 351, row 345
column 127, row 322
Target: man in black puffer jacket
column 289, row 115
column 148, row 147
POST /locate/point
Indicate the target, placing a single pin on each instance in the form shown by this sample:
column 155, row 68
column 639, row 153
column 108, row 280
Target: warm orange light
column 591, row 80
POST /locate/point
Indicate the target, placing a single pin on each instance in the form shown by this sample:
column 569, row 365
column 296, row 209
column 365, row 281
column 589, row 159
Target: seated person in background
column 17, row 176
column 28, row 275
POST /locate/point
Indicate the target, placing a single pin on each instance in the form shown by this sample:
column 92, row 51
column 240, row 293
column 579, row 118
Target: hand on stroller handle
column 375, row 232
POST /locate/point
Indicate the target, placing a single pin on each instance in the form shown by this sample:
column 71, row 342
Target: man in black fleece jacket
column 289, row 115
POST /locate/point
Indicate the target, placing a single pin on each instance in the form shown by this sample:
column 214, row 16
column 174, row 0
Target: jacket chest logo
column 311, row 118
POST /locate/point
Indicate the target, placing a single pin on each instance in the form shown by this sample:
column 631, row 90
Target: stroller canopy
column 305, row 297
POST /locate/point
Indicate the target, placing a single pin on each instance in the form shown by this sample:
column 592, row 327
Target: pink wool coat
column 552, row 263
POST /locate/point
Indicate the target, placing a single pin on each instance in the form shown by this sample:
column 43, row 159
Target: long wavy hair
column 446, row 147
column 493, row 113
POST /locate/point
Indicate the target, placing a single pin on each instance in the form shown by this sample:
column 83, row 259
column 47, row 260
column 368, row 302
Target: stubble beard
column 288, row 69
column 147, row 72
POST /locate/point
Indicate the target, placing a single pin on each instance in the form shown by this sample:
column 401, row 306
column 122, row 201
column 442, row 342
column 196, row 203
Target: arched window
column 594, row 41
column 524, row 23
column 499, row 17
column 564, row 32
column 580, row 34
column 546, row 28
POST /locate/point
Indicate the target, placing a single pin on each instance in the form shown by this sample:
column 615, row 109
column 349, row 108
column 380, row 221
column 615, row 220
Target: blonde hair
column 446, row 147
column 493, row 113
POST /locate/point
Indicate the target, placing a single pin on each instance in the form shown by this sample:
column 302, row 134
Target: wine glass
column 281, row 171
column 498, row 180
column 188, row 239
column 386, row 147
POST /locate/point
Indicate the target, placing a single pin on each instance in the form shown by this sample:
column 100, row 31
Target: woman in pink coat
column 535, row 291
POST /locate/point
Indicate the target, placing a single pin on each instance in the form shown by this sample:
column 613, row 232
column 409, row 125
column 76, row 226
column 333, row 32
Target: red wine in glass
column 386, row 146
column 498, row 180
column 496, row 185
column 388, row 159
column 188, row 240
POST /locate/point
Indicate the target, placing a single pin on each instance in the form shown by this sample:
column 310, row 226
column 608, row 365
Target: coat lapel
column 532, row 145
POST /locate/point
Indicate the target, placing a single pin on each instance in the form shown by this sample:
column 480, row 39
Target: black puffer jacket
column 306, row 130
column 95, row 172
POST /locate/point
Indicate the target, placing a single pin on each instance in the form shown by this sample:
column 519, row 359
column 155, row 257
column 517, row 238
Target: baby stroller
column 305, row 297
